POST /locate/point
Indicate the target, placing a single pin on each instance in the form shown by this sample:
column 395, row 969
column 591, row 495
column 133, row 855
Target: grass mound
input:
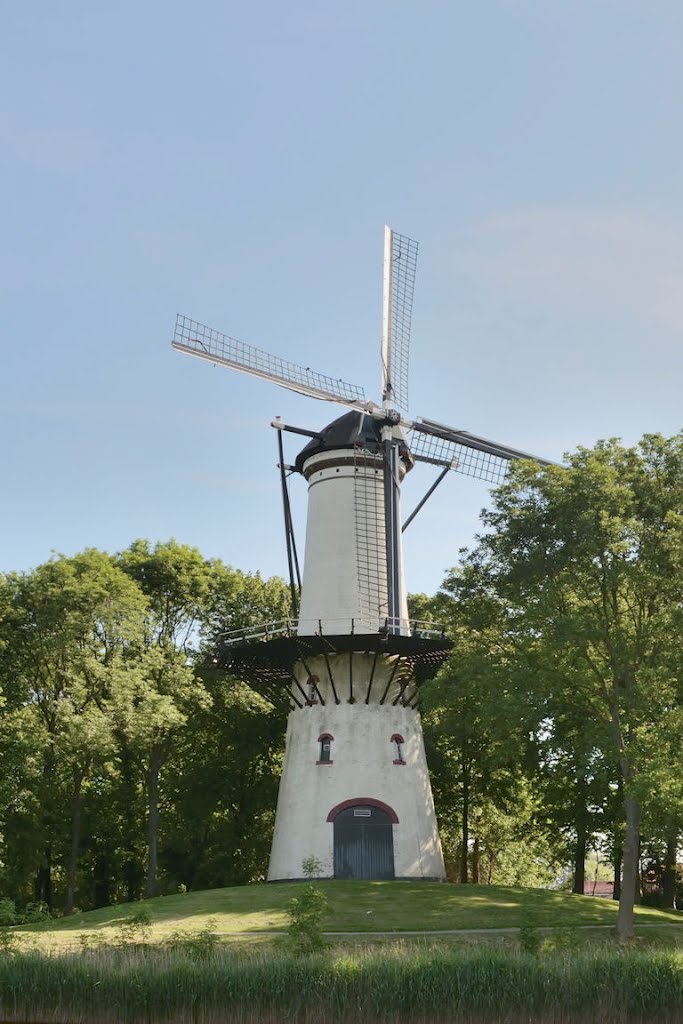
column 353, row 907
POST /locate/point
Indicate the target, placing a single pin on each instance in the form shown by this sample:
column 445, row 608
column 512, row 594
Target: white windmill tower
column 355, row 791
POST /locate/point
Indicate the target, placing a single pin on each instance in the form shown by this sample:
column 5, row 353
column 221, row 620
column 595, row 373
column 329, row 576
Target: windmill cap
column 352, row 430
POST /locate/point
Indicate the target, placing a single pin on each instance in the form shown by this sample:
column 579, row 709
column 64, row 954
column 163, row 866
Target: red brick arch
column 366, row 801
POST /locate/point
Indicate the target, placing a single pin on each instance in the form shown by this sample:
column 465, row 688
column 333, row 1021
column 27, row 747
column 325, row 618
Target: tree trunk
column 42, row 888
column 476, row 863
column 132, row 868
column 43, row 881
column 101, row 883
column 465, row 821
column 630, row 871
column 152, row 822
column 581, row 838
column 580, row 863
column 669, row 876
column 618, row 845
column 75, row 843
column 637, row 889
column 618, row 858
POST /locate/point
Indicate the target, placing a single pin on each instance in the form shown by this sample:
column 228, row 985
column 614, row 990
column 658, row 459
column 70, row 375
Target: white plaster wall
column 330, row 591
column 362, row 756
column 362, row 753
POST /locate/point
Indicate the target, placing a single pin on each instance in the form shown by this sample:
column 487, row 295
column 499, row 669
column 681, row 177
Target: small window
column 312, row 690
column 325, row 752
column 397, row 744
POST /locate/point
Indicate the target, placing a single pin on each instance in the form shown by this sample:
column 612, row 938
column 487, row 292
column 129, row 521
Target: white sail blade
column 206, row 343
column 400, row 264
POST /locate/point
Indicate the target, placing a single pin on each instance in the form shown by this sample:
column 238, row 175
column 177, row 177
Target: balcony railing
column 359, row 626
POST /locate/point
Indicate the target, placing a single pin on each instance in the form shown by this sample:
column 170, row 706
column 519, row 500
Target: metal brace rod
column 426, row 497
column 402, row 687
column 294, row 551
column 279, row 425
column 329, row 667
column 372, row 676
column 315, row 685
column 285, row 505
column 293, row 696
column 391, row 679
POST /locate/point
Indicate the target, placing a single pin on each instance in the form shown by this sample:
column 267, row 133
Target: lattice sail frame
column 429, row 442
column 400, row 265
column 199, row 340
column 468, row 461
column 464, row 452
column 370, row 531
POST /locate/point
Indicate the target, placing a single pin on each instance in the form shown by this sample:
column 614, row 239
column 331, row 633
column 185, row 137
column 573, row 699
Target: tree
column 589, row 560
column 482, row 725
column 65, row 630
column 192, row 601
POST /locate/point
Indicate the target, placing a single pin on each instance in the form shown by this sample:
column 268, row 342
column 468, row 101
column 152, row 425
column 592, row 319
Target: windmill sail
column 400, row 264
column 464, row 452
column 370, row 538
column 198, row 340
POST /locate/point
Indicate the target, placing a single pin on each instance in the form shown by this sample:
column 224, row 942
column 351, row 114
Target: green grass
column 436, row 984
column 354, row 907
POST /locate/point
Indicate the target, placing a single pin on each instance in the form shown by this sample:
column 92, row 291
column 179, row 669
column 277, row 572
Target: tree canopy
column 131, row 765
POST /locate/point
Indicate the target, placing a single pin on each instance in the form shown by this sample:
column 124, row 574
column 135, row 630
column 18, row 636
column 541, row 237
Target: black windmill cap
column 352, row 430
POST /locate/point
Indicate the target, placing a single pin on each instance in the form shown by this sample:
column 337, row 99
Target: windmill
column 355, row 793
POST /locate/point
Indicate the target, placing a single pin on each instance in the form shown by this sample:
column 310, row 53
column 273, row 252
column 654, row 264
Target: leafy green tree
column 237, row 600
column 589, row 561
column 220, row 811
column 176, row 579
column 167, row 715
column 65, row 631
column 482, row 724
column 84, row 742
column 222, row 808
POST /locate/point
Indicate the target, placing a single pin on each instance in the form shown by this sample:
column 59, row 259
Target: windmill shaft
column 392, row 531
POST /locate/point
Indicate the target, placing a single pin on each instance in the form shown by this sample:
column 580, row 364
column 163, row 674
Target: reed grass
column 435, row 984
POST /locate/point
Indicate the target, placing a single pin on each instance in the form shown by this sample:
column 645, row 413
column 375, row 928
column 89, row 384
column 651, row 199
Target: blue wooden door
column 363, row 844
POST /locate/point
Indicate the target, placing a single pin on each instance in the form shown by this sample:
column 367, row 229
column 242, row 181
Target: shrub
column 311, row 867
column 8, row 913
column 35, row 913
column 8, row 941
column 306, row 912
column 91, row 942
column 530, row 939
column 566, row 940
column 199, row 945
column 135, row 928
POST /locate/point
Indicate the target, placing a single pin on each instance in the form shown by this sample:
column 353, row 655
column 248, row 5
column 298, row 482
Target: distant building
column 594, row 888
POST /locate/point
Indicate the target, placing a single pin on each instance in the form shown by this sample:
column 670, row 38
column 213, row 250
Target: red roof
column 591, row 888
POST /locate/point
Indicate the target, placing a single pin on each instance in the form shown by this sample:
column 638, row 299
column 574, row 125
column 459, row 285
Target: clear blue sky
column 237, row 162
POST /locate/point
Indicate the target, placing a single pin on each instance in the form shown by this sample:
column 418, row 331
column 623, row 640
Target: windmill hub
column 392, row 417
